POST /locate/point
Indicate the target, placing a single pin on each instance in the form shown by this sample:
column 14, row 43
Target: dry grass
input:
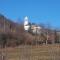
column 43, row 52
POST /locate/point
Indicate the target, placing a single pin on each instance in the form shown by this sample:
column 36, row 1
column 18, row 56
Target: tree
column 3, row 40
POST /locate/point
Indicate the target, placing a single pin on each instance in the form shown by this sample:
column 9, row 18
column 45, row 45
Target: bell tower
column 26, row 21
column 26, row 24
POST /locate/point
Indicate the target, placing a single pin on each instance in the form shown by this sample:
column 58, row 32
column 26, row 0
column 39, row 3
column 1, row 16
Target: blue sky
column 38, row 11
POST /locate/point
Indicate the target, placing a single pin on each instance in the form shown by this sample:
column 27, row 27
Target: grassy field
column 42, row 52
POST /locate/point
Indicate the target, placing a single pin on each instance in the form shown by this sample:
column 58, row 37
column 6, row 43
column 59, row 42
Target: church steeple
column 26, row 23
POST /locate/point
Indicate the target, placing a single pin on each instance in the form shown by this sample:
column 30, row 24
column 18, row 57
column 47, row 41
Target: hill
column 12, row 33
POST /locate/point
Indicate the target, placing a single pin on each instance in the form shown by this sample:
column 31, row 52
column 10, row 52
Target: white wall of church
column 26, row 23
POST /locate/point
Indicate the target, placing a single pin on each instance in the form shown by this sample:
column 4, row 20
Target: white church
column 33, row 27
column 26, row 24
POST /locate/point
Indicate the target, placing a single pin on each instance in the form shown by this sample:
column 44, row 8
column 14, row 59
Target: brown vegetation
column 13, row 34
column 43, row 52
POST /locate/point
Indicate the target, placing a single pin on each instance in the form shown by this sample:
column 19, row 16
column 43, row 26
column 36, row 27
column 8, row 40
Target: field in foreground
column 42, row 52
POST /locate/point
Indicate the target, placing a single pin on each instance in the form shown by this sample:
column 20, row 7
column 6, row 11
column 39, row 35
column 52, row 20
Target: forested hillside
column 13, row 34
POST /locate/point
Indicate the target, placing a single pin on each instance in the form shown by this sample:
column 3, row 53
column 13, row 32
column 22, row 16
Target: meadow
column 29, row 52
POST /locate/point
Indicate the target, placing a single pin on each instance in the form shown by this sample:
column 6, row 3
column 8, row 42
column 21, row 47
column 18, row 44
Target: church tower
column 26, row 24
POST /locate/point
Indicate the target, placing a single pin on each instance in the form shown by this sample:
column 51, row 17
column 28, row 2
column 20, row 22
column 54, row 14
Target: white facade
column 36, row 29
column 26, row 24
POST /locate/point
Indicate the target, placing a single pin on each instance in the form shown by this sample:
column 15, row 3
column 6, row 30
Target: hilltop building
column 31, row 26
column 36, row 29
column 26, row 24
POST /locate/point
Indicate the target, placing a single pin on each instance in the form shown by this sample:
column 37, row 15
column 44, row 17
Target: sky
column 38, row 11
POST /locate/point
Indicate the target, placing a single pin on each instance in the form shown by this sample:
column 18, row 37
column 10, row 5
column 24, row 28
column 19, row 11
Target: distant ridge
column 6, row 25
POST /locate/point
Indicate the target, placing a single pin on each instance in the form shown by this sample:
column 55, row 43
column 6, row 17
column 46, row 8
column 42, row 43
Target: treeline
column 13, row 34
column 20, row 37
column 17, row 38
